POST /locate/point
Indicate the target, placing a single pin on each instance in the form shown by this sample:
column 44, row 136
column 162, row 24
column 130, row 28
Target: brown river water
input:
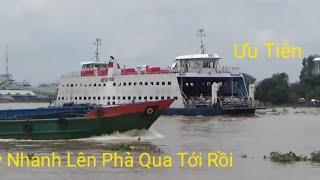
column 285, row 129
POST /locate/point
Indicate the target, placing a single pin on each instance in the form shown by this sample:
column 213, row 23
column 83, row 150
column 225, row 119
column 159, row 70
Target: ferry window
column 67, row 85
column 162, row 97
column 89, row 84
column 85, row 85
column 140, row 98
column 156, row 97
column 113, row 103
column 119, row 98
column 135, row 83
column 163, row 83
column 176, row 97
column 94, row 98
column 151, row 98
column 151, row 83
column 62, row 85
column 75, row 85
column 99, row 97
column 99, row 84
column 94, row 84
column 108, row 103
column 134, row 97
column 66, row 98
column 129, row 97
column 114, row 84
column 75, row 98
column 89, row 97
column 129, row 84
column 124, row 98
column 104, row 84
column 145, row 98
column 59, row 98
column 146, row 83
column 80, row 85
column 80, row 98
column 157, row 83
column 62, row 98
column 84, row 98
column 168, row 97
column 169, row 83
column 108, row 97
column 124, row 84
column 104, row 97
column 140, row 83
column 119, row 84
column 70, row 98
column 113, row 97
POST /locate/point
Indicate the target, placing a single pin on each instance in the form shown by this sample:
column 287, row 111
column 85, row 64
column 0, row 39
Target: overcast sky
column 48, row 38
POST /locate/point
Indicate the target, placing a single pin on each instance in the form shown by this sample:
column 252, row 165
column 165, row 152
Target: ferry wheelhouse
column 199, row 85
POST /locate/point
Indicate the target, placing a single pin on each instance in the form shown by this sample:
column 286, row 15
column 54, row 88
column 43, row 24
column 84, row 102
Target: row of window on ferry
column 118, row 98
column 119, row 84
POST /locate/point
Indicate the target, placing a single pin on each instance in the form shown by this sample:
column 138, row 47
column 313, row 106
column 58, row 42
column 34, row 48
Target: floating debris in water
column 293, row 157
column 243, row 156
column 286, row 157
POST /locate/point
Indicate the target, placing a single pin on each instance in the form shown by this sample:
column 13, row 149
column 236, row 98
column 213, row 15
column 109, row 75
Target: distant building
column 18, row 95
column 316, row 69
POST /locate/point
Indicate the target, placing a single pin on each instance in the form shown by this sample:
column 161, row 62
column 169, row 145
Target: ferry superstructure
column 197, row 82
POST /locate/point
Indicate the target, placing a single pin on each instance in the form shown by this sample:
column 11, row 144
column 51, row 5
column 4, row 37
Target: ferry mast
column 201, row 34
column 97, row 43
column 7, row 60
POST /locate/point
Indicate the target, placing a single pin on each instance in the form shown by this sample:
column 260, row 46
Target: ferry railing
column 227, row 69
column 239, row 104
column 71, row 74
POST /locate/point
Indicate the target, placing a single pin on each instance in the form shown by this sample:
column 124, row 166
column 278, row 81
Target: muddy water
column 286, row 129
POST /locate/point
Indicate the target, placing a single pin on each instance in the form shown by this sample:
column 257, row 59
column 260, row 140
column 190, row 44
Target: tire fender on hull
column 27, row 127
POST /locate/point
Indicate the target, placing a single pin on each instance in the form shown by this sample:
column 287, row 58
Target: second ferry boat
column 199, row 85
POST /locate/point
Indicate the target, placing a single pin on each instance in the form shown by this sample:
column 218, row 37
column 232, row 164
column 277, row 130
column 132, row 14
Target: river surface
column 283, row 129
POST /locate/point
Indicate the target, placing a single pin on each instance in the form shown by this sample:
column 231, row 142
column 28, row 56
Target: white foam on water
column 132, row 135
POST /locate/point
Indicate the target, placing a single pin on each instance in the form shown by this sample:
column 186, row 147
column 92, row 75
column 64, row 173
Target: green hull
column 72, row 128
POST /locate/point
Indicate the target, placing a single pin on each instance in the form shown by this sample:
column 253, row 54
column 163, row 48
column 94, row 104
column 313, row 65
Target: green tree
column 275, row 90
column 309, row 82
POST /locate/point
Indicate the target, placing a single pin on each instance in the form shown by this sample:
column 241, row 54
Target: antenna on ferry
column 7, row 60
column 97, row 43
column 201, row 34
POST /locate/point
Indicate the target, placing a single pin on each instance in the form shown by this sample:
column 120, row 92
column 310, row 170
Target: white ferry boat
column 199, row 85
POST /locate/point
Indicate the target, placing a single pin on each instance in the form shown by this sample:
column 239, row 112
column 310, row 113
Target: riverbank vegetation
column 277, row 90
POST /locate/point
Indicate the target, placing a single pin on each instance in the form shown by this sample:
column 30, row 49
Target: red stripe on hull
column 129, row 108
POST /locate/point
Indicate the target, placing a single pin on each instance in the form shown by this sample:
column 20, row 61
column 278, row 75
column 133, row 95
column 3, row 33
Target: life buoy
column 150, row 111
column 62, row 123
column 27, row 127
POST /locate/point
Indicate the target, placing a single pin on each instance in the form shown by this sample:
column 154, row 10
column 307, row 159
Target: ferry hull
column 212, row 111
column 111, row 120
column 193, row 111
